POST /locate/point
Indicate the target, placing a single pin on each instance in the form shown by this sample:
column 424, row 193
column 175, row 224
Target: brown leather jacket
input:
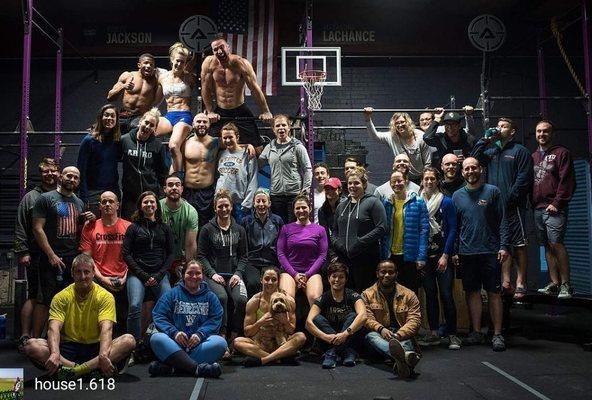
column 406, row 306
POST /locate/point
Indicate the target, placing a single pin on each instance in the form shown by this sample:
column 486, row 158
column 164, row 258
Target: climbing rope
column 557, row 35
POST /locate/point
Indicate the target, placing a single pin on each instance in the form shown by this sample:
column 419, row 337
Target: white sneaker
column 454, row 342
column 565, row 291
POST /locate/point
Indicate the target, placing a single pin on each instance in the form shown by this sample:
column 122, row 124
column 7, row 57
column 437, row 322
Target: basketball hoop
column 313, row 80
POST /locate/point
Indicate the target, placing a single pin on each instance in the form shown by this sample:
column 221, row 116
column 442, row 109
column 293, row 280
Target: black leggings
column 238, row 294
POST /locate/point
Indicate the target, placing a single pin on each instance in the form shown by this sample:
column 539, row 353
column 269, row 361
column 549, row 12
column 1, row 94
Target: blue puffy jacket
column 180, row 311
column 416, row 231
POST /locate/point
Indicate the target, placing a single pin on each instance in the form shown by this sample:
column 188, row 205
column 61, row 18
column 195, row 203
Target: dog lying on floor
column 272, row 336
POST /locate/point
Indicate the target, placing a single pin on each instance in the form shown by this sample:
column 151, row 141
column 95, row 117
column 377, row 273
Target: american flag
column 67, row 219
column 249, row 28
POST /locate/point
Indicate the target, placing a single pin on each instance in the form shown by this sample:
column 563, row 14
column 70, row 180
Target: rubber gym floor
column 529, row 369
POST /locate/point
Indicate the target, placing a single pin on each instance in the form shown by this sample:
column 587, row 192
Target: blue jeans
column 210, row 350
column 326, row 327
column 135, row 296
column 380, row 345
column 444, row 285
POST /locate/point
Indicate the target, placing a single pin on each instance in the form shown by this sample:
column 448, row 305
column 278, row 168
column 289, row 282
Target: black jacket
column 148, row 249
column 144, row 166
column 262, row 239
column 222, row 251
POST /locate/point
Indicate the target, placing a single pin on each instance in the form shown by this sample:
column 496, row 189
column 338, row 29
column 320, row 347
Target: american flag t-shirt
column 249, row 28
column 67, row 219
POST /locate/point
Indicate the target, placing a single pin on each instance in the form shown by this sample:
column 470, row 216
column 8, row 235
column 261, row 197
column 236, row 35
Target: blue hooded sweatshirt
column 180, row 311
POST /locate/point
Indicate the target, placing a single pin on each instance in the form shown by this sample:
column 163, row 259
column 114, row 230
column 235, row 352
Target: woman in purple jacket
column 302, row 249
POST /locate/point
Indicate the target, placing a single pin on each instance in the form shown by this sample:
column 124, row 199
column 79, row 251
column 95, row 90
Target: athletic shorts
column 175, row 117
column 49, row 284
column 33, row 277
column 203, row 202
column 79, row 352
column 481, row 271
column 516, row 220
column 128, row 121
column 247, row 130
column 551, row 227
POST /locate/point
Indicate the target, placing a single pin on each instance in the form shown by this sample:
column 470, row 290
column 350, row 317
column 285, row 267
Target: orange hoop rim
column 312, row 75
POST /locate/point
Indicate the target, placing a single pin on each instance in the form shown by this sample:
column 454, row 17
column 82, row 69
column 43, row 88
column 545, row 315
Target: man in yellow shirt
column 80, row 333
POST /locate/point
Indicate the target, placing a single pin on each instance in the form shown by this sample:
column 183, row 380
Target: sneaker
column 398, row 353
column 205, row 370
column 565, row 291
column 454, row 342
column 551, row 289
column 349, row 357
column 411, row 358
column 330, row 359
column 251, row 362
column 430, row 340
column 475, row 338
column 156, row 368
column 66, row 374
column 498, row 343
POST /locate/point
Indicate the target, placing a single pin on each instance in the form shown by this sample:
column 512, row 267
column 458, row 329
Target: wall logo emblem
column 197, row 32
column 487, row 33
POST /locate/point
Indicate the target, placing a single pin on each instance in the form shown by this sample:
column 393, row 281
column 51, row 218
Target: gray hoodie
column 239, row 175
column 291, row 171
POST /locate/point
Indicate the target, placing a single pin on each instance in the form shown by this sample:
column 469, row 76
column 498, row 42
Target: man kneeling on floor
column 188, row 317
column 80, row 334
column 393, row 319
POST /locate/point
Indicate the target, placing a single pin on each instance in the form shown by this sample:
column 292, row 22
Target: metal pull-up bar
column 408, row 110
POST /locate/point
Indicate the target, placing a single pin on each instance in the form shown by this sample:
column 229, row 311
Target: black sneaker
column 474, row 338
column 330, row 359
column 498, row 343
column 209, row 370
column 156, row 368
column 349, row 357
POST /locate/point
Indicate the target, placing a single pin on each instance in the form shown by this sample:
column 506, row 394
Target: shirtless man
column 141, row 92
column 201, row 152
column 224, row 76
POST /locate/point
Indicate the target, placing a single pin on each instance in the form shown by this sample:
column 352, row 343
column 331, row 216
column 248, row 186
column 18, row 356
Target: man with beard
column 453, row 139
column 182, row 218
column 224, row 76
column 401, row 164
column 80, row 334
column 103, row 241
column 57, row 218
column 141, row 91
column 201, row 153
column 452, row 178
column 28, row 252
column 320, row 174
column 554, row 185
column 393, row 319
column 483, row 247
column 144, row 165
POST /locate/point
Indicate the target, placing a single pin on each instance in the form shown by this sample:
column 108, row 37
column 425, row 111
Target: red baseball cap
column 335, row 183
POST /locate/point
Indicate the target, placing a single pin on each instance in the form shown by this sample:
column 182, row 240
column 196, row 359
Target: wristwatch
column 349, row 330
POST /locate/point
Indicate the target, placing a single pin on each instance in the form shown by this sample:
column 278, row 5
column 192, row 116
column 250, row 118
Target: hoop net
column 312, row 81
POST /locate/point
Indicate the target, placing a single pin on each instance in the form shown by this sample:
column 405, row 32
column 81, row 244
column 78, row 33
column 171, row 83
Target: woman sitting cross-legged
column 270, row 321
column 336, row 318
column 188, row 318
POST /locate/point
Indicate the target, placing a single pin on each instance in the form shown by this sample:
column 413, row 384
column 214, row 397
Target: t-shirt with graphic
column 81, row 318
column 180, row 221
column 61, row 221
column 105, row 244
column 336, row 312
column 238, row 173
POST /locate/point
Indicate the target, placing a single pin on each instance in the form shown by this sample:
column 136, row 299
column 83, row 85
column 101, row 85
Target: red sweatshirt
column 554, row 177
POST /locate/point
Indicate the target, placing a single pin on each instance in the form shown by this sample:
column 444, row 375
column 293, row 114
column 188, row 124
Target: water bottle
column 60, row 277
column 2, row 326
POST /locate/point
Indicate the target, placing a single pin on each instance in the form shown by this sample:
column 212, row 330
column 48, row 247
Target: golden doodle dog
column 273, row 335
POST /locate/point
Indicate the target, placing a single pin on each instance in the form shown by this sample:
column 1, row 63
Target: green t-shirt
column 181, row 220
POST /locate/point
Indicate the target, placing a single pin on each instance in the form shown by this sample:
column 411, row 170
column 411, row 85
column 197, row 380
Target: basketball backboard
column 297, row 59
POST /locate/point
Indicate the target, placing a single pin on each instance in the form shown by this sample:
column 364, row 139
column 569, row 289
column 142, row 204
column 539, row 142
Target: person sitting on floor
column 336, row 318
column 394, row 318
column 270, row 322
column 80, row 334
column 188, row 318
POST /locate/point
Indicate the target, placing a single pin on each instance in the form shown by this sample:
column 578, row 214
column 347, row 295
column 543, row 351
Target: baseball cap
column 451, row 117
column 335, row 183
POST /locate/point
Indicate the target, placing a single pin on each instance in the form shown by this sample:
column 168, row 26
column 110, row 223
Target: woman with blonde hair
column 403, row 137
column 177, row 85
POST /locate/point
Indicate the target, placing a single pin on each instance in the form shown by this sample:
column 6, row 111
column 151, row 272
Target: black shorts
column 247, row 130
column 516, row 220
column 481, row 271
column 48, row 281
column 128, row 121
column 79, row 352
column 33, row 277
column 203, row 202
